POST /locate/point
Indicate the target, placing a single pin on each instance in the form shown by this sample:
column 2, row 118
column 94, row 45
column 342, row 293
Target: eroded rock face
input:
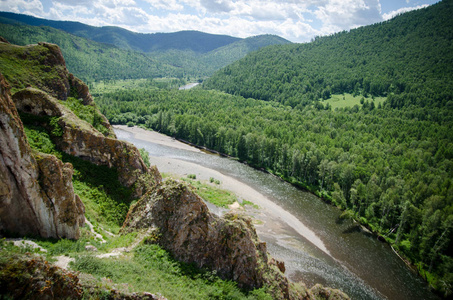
column 81, row 139
column 184, row 226
column 36, row 197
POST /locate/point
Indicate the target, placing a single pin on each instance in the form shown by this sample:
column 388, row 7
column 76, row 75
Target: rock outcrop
column 36, row 196
column 32, row 277
column 183, row 225
column 54, row 78
column 81, row 139
column 178, row 220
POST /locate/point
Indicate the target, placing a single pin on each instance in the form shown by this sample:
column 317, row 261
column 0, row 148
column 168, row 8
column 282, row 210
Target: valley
column 299, row 228
column 339, row 151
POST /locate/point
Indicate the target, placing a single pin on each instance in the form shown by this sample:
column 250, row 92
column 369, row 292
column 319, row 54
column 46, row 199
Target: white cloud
column 217, row 6
column 394, row 13
column 172, row 5
column 29, row 7
column 296, row 20
column 339, row 15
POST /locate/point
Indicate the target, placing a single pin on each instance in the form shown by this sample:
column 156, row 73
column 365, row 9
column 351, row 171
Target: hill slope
column 184, row 40
column 91, row 60
column 409, row 57
column 207, row 63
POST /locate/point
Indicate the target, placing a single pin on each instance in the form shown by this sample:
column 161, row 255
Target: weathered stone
column 320, row 292
column 81, row 139
column 36, row 197
column 56, row 183
column 91, row 248
column 184, row 226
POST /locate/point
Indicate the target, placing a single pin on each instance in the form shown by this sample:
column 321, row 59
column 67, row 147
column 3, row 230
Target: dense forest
column 409, row 59
column 88, row 60
column 196, row 41
column 205, row 64
column 389, row 169
column 94, row 61
column 389, row 166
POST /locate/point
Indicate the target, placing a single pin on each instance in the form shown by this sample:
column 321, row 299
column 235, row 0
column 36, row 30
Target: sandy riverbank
column 271, row 221
column 155, row 137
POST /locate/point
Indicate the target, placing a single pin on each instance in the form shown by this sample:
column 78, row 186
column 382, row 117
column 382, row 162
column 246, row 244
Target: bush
column 145, row 156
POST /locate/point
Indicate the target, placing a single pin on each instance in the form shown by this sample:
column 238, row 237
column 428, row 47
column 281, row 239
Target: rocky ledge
column 81, row 139
column 36, row 195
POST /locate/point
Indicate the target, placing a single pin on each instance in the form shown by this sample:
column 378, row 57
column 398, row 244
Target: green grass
column 152, row 269
column 211, row 193
column 348, row 100
column 21, row 72
column 88, row 113
column 106, row 86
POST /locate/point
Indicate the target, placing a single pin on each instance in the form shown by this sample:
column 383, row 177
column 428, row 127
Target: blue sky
column 295, row 20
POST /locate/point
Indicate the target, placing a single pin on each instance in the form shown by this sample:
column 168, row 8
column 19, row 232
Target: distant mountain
column 91, row 60
column 409, row 59
column 183, row 40
column 97, row 53
column 207, row 63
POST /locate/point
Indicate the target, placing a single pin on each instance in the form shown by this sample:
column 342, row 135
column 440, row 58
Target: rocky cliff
column 81, row 139
column 36, row 193
column 180, row 221
column 41, row 83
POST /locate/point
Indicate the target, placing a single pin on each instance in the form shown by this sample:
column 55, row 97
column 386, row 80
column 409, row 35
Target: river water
column 352, row 260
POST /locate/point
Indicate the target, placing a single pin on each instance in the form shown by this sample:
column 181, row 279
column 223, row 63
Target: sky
column 295, row 20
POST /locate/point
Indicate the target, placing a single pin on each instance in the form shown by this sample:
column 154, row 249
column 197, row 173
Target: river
column 303, row 231
column 189, row 86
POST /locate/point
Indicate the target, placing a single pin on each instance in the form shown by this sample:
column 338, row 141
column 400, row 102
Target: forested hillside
column 128, row 40
column 409, row 59
column 206, row 64
column 105, row 53
column 88, row 60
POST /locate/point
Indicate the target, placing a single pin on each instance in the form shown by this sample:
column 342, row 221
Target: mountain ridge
column 177, row 54
column 125, row 39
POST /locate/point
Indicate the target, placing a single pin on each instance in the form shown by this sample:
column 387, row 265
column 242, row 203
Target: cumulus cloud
column 339, row 15
column 296, row 20
column 217, row 6
column 30, row 7
column 394, row 13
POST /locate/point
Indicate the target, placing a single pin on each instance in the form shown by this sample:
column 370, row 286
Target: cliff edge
column 36, row 193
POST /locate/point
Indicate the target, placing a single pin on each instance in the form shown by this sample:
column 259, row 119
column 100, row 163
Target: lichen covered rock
column 81, row 139
column 36, row 197
column 182, row 224
column 43, row 67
